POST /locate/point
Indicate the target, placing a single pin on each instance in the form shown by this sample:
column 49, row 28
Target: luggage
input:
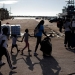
column 46, row 46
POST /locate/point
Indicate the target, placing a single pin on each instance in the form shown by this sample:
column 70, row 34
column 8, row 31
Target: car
column 53, row 20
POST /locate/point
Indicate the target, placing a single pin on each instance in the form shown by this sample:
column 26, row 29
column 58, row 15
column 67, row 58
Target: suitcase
column 46, row 46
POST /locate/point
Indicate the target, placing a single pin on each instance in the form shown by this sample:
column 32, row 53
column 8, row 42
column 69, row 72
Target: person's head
column 26, row 30
column 41, row 22
column 5, row 30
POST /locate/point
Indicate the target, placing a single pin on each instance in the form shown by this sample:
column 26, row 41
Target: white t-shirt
column 3, row 37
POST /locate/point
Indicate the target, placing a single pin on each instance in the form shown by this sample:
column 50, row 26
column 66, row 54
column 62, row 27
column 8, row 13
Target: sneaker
column 12, row 68
column 35, row 54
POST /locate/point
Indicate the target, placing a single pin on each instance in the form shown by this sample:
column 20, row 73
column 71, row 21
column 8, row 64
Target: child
column 25, row 37
column 14, row 39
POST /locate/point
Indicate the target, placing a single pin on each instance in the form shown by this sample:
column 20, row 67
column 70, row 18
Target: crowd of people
column 69, row 41
column 69, row 27
column 4, row 44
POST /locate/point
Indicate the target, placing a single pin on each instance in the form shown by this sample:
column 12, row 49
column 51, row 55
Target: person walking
column 1, row 63
column 67, row 27
column 39, row 35
column 14, row 39
column 26, row 40
column 3, row 47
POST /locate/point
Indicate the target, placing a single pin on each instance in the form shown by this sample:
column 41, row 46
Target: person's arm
column 19, row 41
column 23, row 37
column 44, row 33
column 30, row 35
column 42, row 28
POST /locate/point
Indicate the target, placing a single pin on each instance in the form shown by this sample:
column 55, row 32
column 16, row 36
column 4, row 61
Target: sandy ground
column 62, row 61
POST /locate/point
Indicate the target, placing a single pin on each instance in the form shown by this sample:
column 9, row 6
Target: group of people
column 4, row 45
column 69, row 27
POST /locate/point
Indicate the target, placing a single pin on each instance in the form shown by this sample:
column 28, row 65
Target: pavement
column 62, row 61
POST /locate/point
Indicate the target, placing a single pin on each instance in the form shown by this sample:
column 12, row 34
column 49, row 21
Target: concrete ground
column 62, row 61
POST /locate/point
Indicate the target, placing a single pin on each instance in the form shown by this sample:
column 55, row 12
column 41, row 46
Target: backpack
column 36, row 30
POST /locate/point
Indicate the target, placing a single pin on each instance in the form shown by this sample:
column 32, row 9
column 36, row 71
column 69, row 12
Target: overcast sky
column 34, row 7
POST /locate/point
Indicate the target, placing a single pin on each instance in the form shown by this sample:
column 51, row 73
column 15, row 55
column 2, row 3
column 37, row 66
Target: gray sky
column 34, row 7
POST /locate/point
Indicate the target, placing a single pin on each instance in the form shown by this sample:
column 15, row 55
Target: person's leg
column 65, row 40
column 72, row 30
column 37, row 43
column 1, row 54
column 17, row 48
column 8, row 59
column 60, row 29
column 12, row 48
column 28, row 47
column 1, row 63
column 69, row 39
column 24, row 47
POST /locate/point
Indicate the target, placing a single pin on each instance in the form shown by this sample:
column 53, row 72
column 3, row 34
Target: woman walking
column 39, row 35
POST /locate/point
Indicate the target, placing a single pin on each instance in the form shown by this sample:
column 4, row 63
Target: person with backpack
column 3, row 47
column 40, row 30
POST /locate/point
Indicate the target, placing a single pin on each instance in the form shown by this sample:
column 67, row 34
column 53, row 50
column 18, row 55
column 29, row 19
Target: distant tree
column 4, row 14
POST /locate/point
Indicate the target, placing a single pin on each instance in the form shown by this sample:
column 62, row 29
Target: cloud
column 8, row 1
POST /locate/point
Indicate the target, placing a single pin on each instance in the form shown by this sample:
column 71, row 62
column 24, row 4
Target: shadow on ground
column 49, row 66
